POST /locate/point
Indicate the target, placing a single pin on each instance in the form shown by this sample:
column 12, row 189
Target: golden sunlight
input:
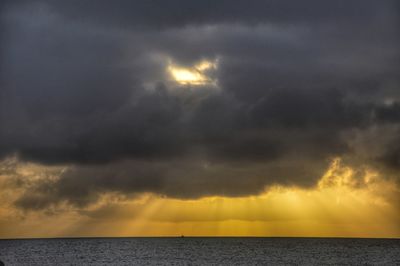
column 198, row 74
column 344, row 203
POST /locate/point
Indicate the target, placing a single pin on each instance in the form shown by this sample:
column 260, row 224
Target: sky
column 202, row 118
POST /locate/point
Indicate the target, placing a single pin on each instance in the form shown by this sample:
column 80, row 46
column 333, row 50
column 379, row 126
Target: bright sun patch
column 198, row 74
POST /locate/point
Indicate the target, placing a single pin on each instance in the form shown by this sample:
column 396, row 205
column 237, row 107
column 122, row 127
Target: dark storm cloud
column 161, row 14
column 390, row 113
column 83, row 83
column 185, row 178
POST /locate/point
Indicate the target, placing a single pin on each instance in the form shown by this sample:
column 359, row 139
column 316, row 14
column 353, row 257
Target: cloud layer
column 86, row 85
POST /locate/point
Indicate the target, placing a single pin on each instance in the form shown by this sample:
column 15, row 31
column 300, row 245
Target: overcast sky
column 292, row 85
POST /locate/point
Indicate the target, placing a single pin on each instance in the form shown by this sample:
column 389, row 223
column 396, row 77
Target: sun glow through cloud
column 342, row 204
column 198, row 74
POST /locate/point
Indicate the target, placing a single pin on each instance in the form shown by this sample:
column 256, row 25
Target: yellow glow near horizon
column 343, row 204
column 195, row 75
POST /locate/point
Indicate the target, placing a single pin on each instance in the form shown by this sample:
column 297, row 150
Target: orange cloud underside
column 340, row 205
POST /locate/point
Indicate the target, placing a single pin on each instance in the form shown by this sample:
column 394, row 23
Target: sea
column 200, row 251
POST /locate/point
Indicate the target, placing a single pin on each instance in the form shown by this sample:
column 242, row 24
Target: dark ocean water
column 201, row 251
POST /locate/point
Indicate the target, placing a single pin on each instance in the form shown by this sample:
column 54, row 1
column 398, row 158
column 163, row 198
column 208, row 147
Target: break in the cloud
column 88, row 86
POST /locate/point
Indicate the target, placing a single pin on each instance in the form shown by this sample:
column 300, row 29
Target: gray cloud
column 160, row 14
column 184, row 178
column 84, row 84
